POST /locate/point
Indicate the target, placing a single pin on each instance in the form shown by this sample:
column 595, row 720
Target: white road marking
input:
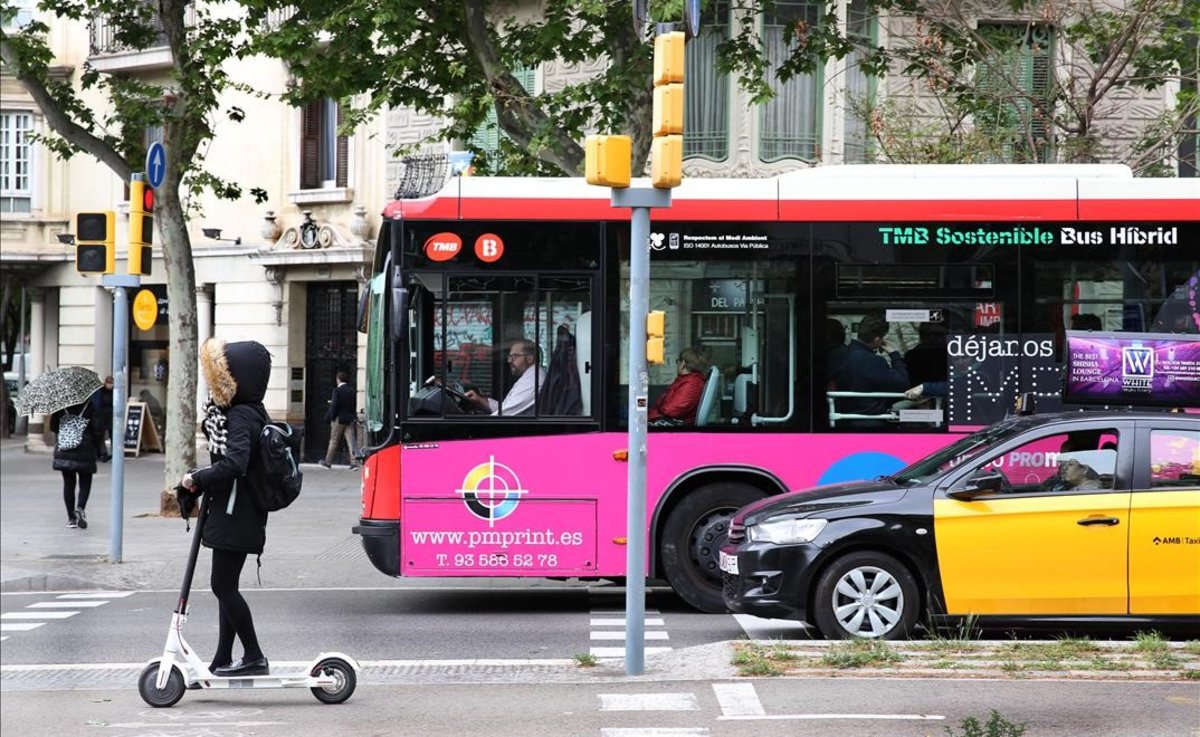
column 738, row 699
column 618, row 635
column 654, row 732
column 97, row 595
column 649, row 702
column 37, row 615
column 619, row 652
column 758, row 628
column 620, row 622
column 284, row 664
column 19, row 626
column 814, row 717
column 65, row 604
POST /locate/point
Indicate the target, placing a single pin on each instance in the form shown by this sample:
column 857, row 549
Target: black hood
column 836, row 496
column 237, row 373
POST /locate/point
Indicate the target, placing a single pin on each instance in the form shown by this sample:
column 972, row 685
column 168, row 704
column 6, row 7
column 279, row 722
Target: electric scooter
column 331, row 676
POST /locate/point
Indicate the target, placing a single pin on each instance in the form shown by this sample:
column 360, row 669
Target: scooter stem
column 186, row 590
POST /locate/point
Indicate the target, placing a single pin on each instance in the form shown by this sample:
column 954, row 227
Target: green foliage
column 995, row 726
column 861, row 654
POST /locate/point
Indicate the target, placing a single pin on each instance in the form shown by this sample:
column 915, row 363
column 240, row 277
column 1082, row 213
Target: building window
column 18, row 14
column 486, row 138
column 16, row 162
column 1017, row 82
column 790, row 122
column 324, row 154
column 706, row 114
column 861, row 28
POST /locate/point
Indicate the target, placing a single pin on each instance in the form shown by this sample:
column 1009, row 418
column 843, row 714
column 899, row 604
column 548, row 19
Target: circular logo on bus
column 443, row 246
column 489, row 248
column 491, row 491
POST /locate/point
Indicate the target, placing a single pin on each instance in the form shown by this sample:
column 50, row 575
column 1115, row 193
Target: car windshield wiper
column 900, row 480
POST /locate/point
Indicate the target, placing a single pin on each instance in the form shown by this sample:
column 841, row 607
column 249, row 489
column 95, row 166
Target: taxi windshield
column 954, row 454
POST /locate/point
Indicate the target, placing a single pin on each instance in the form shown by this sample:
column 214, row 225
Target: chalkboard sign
column 135, row 416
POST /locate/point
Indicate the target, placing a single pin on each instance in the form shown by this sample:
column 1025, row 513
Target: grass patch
column 755, row 660
column 1064, row 649
column 585, row 660
column 1192, row 647
column 861, row 654
column 1190, row 675
column 1150, row 642
column 1165, row 660
column 995, row 726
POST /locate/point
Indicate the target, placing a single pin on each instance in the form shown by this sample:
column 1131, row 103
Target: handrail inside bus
column 757, row 419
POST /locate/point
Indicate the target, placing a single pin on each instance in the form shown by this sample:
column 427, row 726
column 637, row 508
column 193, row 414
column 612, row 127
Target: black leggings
column 85, row 490
column 235, row 612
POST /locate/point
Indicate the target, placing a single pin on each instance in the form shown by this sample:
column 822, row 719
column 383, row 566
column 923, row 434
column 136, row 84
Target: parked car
column 1079, row 518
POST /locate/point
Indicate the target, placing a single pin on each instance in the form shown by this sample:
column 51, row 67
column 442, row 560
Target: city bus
column 773, row 287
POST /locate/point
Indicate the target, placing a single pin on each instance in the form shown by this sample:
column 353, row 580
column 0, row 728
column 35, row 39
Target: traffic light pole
column 640, row 199
column 119, row 283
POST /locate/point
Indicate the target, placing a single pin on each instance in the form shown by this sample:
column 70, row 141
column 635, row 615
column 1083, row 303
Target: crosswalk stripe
column 618, row 635
column 19, row 626
column 620, row 622
column 654, row 732
column 619, row 652
column 97, row 595
column 649, row 702
column 65, row 604
column 37, row 615
column 738, row 699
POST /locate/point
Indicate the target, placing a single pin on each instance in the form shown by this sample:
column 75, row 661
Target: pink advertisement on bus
column 556, row 505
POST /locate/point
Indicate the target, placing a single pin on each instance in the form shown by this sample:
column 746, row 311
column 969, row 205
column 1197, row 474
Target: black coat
column 83, row 458
column 234, row 522
column 864, row 370
column 341, row 405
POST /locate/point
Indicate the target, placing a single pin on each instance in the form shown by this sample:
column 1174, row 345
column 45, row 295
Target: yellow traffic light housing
column 608, row 160
column 141, row 227
column 95, row 233
column 666, row 161
column 666, row 151
column 656, row 325
column 669, row 58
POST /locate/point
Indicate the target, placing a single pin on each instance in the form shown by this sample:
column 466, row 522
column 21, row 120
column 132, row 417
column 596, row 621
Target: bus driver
column 522, row 357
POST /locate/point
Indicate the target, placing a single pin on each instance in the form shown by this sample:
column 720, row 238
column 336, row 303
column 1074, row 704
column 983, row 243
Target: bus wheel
column 691, row 539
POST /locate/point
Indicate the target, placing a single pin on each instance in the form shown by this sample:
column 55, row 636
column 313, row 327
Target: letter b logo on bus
column 489, row 248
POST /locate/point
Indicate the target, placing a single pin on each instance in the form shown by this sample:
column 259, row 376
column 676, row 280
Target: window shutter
column 343, row 152
column 310, row 146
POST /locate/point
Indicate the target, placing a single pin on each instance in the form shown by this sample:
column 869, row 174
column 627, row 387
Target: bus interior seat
column 710, row 397
column 583, row 360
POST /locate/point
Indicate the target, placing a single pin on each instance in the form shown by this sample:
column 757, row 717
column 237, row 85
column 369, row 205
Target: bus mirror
column 399, row 321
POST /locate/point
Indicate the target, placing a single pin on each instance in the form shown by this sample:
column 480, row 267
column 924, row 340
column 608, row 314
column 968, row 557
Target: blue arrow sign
column 156, row 164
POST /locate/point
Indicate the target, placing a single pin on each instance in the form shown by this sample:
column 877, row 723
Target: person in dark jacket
column 102, row 410
column 78, row 463
column 871, row 365
column 234, row 527
column 682, row 398
column 340, row 416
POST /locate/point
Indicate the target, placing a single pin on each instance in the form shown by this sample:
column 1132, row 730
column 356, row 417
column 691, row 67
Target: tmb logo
column 443, row 246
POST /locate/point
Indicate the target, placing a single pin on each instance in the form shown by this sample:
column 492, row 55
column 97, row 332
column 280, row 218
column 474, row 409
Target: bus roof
column 1033, row 192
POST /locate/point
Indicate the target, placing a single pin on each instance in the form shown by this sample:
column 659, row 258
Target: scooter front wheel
column 168, row 695
column 344, row 681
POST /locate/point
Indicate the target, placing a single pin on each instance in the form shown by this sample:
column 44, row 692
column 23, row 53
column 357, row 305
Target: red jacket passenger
column 680, row 400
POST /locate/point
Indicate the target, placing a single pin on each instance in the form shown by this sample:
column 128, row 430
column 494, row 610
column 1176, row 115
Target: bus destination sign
column 1009, row 234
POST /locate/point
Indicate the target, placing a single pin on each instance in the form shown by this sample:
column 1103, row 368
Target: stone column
column 204, row 331
column 37, row 351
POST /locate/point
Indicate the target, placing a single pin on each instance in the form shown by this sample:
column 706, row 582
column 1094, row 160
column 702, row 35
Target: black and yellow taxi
column 1073, row 519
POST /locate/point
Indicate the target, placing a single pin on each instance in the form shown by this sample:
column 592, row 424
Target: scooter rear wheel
column 342, row 673
column 168, row 695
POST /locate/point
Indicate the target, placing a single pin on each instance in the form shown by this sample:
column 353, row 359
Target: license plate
column 729, row 563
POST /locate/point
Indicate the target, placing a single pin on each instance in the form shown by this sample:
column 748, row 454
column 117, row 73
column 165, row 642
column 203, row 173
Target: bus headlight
column 786, row 531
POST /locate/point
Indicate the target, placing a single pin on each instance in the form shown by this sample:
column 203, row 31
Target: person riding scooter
column 234, row 527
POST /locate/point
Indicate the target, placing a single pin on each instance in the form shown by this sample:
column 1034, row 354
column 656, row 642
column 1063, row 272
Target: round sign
column 489, row 247
column 156, row 164
column 145, row 309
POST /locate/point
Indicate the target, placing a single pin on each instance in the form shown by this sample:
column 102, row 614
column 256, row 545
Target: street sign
column 156, row 164
column 145, row 309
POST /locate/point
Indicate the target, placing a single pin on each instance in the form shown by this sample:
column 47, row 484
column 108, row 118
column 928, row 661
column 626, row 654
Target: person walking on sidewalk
column 77, row 445
column 341, row 416
column 234, row 526
column 102, row 410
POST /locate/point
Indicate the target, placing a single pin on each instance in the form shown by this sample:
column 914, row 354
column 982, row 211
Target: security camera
column 67, row 239
column 211, row 232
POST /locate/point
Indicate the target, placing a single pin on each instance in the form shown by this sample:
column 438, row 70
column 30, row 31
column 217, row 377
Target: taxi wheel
column 866, row 595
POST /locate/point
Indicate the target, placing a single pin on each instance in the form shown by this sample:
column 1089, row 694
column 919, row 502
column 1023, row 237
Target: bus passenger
column 679, row 402
column 522, row 361
column 871, row 365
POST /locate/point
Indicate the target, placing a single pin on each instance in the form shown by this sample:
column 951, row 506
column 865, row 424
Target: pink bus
column 496, row 321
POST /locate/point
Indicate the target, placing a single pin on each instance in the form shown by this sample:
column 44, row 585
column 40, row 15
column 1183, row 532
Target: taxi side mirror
column 986, row 482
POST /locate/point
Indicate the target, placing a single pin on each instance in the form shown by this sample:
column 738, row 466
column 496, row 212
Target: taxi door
column 1164, row 528
column 1034, row 547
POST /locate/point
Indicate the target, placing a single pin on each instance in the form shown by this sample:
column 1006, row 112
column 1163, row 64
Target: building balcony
column 107, row 53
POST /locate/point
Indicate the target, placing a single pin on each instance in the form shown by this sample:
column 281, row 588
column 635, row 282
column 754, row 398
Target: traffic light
column 656, row 325
column 141, row 227
column 666, row 151
column 607, row 160
column 94, row 236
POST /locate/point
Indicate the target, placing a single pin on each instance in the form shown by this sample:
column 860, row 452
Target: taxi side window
column 1078, row 461
column 1174, row 459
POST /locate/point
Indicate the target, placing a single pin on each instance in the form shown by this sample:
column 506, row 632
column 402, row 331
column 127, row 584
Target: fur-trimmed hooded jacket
column 237, row 375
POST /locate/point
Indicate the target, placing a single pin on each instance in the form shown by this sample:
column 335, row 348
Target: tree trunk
column 181, row 379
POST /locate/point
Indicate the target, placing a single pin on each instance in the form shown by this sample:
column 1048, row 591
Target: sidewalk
column 308, row 544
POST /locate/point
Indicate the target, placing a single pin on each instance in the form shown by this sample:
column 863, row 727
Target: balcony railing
column 103, row 31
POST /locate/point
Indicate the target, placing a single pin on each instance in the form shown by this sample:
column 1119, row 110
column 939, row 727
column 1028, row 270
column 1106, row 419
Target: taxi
column 1065, row 519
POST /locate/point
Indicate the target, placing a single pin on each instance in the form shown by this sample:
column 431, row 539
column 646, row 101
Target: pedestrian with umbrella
column 65, row 395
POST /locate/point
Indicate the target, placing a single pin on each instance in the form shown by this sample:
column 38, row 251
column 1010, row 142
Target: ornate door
column 332, row 346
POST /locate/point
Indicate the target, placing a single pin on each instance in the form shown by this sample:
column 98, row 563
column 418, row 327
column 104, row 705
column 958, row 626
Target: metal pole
column 21, row 424
column 640, row 200
column 119, row 282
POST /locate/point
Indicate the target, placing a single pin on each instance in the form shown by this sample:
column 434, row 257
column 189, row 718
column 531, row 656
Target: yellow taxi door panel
column 1164, row 552
column 1030, row 555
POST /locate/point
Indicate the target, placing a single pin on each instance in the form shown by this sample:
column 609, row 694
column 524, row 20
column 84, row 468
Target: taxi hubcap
column 868, row 602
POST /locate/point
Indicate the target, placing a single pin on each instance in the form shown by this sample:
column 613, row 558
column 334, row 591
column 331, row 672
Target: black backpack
column 279, row 456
